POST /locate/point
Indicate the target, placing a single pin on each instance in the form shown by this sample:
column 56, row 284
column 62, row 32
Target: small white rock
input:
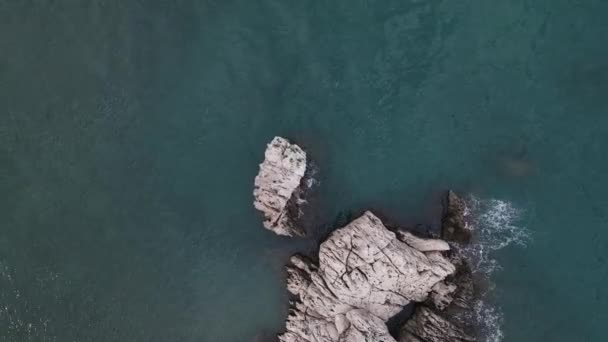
column 278, row 183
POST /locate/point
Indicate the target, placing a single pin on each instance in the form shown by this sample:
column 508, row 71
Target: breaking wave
column 495, row 224
column 488, row 320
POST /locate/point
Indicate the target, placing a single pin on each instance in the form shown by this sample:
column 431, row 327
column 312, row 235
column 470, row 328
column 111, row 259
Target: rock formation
column 364, row 276
column 278, row 186
column 453, row 225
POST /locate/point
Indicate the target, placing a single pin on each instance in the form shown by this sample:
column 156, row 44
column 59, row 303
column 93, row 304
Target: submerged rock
column 278, row 187
column 365, row 275
column 516, row 167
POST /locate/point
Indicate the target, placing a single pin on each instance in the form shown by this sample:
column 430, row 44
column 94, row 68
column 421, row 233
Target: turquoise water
column 130, row 133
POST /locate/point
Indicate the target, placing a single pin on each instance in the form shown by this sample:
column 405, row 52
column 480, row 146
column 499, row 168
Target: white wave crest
column 489, row 320
column 495, row 224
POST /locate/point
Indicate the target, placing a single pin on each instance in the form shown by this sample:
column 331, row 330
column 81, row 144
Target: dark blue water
column 130, row 133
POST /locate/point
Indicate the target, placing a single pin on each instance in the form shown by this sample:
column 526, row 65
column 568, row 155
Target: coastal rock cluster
column 365, row 273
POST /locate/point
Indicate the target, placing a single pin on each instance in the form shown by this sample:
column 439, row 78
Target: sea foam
column 495, row 224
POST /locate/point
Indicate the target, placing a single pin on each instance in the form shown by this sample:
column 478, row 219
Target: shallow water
column 130, row 133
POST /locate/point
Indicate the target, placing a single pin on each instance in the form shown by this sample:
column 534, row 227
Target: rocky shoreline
column 366, row 273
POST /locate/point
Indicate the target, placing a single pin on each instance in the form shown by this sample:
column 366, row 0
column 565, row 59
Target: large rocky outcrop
column 278, row 186
column 364, row 276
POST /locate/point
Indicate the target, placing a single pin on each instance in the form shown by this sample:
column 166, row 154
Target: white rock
column 364, row 277
column 423, row 245
column 277, row 186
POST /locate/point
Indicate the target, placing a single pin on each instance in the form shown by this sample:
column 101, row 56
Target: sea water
column 131, row 131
